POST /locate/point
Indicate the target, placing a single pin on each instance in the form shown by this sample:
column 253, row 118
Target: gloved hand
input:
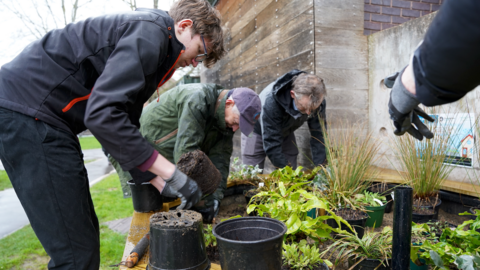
column 186, row 188
column 404, row 110
column 209, row 212
column 169, row 192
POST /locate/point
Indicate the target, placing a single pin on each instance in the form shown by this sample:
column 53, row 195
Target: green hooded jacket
column 185, row 119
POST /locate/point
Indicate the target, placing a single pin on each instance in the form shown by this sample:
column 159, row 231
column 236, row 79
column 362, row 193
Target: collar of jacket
column 176, row 48
column 281, row 92
column 220, row 110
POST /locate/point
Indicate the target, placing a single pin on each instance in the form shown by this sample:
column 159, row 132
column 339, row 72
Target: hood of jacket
column 281, row 92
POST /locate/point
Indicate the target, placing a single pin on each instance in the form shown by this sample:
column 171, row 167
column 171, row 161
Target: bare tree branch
column 51, row 13
column 155, row 4
column 64, row 12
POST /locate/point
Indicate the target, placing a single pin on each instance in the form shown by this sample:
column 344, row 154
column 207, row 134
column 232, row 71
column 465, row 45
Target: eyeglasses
column 199, row 58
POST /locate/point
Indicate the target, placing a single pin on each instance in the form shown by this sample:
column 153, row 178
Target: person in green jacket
column 197, row 116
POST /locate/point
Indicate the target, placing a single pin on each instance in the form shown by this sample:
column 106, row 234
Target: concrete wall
column 390, row 51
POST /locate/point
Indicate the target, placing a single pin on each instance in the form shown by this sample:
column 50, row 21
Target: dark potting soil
column 350, row 214
column 198, row 166
column 213, row 254
column 423, row 205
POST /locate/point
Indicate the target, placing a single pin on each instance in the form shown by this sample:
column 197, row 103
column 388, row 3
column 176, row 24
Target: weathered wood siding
column 267, row 38
column 341, row 54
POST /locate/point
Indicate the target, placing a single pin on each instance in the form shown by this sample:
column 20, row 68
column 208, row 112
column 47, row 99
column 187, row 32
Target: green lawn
column 22, row 250
column 4, row 182
column 89, row 143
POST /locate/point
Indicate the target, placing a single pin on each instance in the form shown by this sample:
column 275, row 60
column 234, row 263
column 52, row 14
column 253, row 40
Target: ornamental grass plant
column 423, row 162
column 351, row 248
column 351, row 154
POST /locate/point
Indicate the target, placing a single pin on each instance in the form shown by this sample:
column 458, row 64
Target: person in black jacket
column 443, row 69
column 293, row 99
column 94, row 74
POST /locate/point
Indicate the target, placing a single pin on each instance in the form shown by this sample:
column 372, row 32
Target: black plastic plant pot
column 357, row 224
column 145, row 197
column 177, row 241
column 416, row 217
column 371, row 264
column 253, row 243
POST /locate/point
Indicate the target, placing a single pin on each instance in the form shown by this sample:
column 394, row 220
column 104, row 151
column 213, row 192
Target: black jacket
column 279, row 119
column 96, row 74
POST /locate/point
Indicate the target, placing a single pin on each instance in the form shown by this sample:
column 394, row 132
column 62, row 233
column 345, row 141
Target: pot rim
column 224, row 223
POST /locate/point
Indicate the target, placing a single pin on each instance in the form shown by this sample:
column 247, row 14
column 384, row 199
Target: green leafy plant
column 244, row 172
column 373, row 245
column 351, row 152
column 291, row 205
column 454, row 248
column 370, row 199
column 302, row 255
column 210, row 239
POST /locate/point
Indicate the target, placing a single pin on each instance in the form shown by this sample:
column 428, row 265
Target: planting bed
column 235, row 205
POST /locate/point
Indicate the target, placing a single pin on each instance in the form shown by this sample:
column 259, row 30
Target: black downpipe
column 402, row 228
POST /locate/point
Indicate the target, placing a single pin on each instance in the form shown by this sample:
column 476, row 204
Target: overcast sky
column 14, row 35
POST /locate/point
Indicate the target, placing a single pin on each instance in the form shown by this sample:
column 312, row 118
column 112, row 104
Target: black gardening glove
column 209, row 212
column 186, row 188
column 404, row 110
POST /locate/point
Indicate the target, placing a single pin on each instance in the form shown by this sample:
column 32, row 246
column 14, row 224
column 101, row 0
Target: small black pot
column 370, row 264
column 418, row 217
column 358, row 225
column 177, row 241
column 253, row 243
column 145, row 197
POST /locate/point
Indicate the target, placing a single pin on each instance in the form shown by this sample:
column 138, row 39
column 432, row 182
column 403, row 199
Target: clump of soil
column 200, row 168
column 213, row 254
column 350, row 214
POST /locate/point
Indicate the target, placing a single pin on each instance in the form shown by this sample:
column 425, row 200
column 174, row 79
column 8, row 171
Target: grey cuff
column 402, row 99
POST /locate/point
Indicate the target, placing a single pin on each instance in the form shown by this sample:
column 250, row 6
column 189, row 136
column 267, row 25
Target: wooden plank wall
column 341, row 59
column 265, row 39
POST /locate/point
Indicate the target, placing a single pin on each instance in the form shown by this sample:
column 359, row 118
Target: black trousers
column 45, row 166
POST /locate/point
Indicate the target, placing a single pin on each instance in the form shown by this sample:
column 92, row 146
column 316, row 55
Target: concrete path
column 11, row 209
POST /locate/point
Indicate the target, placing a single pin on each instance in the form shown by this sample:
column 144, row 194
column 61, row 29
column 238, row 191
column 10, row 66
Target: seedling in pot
column 370, row 199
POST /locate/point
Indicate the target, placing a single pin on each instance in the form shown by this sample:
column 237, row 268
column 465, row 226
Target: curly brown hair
column 206, row 22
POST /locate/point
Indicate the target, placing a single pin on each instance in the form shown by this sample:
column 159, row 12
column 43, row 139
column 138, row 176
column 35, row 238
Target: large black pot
column 370, row 264
column 145, row 197
column 253, row 243
column 358, row 224
column 418, row 217
column 177, row 241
